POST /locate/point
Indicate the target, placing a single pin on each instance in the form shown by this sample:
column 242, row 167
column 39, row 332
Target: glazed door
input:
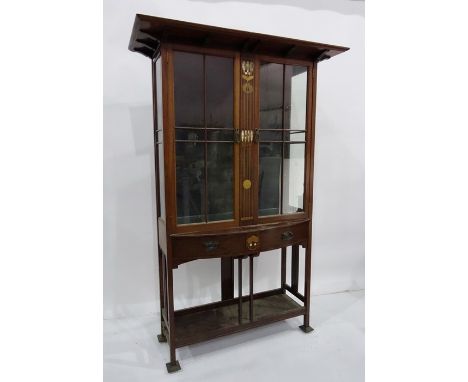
column 204, row 138
column 240, row 139
column 273, row 139
column 282, row 138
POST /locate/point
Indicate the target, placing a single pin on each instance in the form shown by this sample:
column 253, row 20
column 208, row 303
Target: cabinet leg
column 164, row 333
column 162, row 336
column 174, row 365
column 306, row 328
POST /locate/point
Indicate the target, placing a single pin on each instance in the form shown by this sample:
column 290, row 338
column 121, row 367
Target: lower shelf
column 217, row 319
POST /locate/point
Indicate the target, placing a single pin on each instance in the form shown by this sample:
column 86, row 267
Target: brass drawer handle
column 211, row 245
column 286, row 236
column 252, row 242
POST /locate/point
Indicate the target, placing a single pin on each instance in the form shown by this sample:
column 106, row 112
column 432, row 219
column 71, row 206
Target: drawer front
column 283, row 236
column 259, row 239
column 206, row 246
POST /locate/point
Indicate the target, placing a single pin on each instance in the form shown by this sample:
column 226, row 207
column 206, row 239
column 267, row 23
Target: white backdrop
column 130, row 266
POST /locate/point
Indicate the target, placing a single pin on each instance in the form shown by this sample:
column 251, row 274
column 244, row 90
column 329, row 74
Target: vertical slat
column 227, row 278
column 295, row 267
column 283, row 267
column 251, row 288
column 239, row 279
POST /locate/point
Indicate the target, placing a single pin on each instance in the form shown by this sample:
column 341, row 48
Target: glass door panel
column 190, row 173
column 220, row 181
column 283, row 93
column 203, row 97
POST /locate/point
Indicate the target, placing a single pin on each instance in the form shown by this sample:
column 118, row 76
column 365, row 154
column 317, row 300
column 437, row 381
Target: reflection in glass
column 269, row 179
column 219, row 91
column 221, row 135
column 271, row 96
column 219, row 181
column 190, row 175
column 190, row 134
column 188, row 89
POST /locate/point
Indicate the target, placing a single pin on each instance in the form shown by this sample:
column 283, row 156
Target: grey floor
column 277, row 352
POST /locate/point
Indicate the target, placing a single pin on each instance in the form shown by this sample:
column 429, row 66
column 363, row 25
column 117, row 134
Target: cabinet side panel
column 160, row 140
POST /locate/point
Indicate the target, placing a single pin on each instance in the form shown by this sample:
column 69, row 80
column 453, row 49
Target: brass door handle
column 246, row 136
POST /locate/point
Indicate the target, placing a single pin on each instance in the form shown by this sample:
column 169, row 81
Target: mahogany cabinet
column 234, row 153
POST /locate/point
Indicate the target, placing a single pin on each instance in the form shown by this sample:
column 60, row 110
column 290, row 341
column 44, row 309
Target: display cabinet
column 234, row 120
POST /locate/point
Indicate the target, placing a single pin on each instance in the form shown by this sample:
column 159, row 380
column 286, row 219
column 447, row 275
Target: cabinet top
column 150, row 32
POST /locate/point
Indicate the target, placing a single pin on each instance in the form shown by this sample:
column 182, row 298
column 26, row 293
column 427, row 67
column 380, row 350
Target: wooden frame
column 247, row 235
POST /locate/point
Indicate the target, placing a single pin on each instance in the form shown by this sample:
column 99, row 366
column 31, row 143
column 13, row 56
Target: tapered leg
column 174, row 364
column 306, row 328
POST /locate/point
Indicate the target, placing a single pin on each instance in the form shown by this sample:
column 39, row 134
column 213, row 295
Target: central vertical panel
column 247, row 138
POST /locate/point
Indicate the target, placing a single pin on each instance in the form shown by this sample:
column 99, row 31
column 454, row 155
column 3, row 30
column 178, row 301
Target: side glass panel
column 159, row 110
column 293, row 178
column 203, row 96
column 283, row 92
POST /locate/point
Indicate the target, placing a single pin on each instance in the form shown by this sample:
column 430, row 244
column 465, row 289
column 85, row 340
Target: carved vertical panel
column 246, row 140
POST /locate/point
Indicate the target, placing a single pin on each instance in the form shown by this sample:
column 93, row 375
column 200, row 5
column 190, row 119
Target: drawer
column 238, row 242
column 283, row 236
column 206, row 246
